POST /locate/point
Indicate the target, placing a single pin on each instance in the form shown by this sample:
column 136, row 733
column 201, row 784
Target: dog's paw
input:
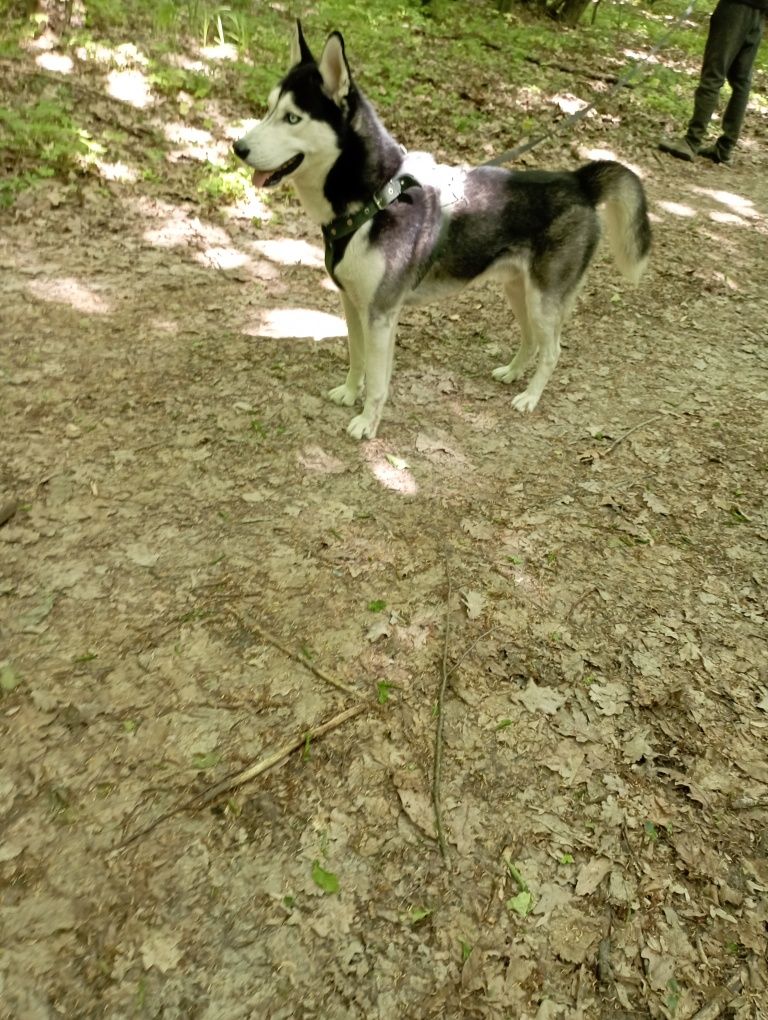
column 342, row 395
column 507, row 373
column 361, row 428
column 526, row 401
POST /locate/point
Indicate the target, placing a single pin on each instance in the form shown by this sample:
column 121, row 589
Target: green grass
column 444, row 76
column 44, row 141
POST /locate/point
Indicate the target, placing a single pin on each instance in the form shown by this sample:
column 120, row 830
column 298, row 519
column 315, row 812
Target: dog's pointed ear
column 300, row 52
column 334, row 68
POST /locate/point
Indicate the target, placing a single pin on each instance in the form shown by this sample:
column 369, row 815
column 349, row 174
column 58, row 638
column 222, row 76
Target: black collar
column 350, row 222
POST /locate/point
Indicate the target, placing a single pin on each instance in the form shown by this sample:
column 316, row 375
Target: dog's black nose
column 241, row 150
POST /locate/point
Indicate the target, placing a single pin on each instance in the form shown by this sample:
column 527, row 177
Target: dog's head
column 306, row 116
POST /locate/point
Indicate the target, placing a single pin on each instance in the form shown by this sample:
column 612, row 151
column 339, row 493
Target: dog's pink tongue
column 260, row 179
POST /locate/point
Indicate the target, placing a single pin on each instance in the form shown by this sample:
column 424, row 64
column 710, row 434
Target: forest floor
column 198, row 546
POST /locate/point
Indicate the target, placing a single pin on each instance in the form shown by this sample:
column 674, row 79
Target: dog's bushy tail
column 620, row 190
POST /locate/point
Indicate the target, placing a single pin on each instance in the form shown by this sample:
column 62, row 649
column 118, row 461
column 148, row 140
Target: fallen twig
column 579, row 600
column 467, row 650
column 265, row 635
column 635, row 428
column 7, row 510
column 277, row 756
column 438, row 764
column 239, row 778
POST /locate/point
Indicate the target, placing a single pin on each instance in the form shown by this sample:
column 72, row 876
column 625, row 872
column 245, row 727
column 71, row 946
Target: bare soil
column 194, row 530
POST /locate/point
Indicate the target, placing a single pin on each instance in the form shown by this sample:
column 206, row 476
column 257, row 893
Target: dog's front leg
column 379, row 344
column 350, row 389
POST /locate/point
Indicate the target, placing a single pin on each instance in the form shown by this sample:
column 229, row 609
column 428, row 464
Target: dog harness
column 342, row 226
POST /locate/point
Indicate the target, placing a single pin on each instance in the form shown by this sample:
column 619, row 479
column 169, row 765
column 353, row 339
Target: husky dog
column 401, row 229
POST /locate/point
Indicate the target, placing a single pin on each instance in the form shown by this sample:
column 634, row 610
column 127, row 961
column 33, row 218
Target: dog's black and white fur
column 534, row 231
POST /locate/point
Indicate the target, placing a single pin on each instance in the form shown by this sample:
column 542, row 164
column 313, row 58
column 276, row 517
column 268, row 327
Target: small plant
column 206, row 761
column 42, row 140
column 325, row 880
column 383, row 688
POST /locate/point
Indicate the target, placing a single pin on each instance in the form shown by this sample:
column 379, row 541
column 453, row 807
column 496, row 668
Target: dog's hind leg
column 351, row 388
column 545, row 317
column 515, row 291
column 379, row 354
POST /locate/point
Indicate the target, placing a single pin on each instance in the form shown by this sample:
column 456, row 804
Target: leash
column 509, row 154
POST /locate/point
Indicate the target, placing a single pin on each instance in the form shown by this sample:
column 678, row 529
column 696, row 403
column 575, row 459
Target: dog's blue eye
column 291, row 118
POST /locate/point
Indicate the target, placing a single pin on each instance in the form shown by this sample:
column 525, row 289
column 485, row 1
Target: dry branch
column 277, row 756
column 262, row 633
column 250, row 772
column 438, row 763
column 635, row 428
column 7, row 510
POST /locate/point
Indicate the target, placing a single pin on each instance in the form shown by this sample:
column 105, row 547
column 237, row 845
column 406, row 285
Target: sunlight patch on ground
column 390, row 471
column 185, row 63
column 184, row 134
column 195, row 144
column 58, row 62
column 289, row 252
column 586, row 153
column 179, row 229
column 119, row 56
column 743, row 207
column 130, row 87
column 221, row 51
column 568, row 103
column 115, row 171
column 221, row 258
column 69, row 291
column 728, row 218
column 296, row 324
column 249, row 208
column 676, row 208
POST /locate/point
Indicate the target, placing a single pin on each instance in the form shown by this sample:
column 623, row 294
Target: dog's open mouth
column 268, row 178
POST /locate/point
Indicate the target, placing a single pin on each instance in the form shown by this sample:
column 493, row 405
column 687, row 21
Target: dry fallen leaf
column 418, row 806
column 474, row 603
column 591, row 875
column 541, row 699
column 161, row 951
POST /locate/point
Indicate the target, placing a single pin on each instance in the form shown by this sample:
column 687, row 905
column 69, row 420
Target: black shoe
column 681, row 148
column 715, row 153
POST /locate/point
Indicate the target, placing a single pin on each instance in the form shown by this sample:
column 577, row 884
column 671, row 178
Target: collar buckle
column 388, row 194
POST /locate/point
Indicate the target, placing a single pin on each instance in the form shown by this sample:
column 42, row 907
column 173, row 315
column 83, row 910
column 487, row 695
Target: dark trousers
column 734, row 36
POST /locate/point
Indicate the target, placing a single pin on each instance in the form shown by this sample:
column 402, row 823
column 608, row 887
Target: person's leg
column 740, row 79
column 727, row 28
column 719, row 50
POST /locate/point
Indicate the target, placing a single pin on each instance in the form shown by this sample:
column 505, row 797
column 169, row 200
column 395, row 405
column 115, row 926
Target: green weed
column 41, row 140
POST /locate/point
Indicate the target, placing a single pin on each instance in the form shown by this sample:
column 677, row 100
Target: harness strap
column 350, row 222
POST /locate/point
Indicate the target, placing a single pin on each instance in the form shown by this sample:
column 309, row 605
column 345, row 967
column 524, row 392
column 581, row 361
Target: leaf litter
column 191, row 527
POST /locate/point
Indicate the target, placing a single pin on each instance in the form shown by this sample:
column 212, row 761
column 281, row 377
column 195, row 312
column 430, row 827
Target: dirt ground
column 198, row 546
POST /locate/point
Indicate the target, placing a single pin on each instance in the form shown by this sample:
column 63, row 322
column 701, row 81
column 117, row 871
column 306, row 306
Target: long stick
column 232, row 782
column 438, row 767
column 277, row 756
column 7, row 510
column 265, row 635
column 640, row 425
